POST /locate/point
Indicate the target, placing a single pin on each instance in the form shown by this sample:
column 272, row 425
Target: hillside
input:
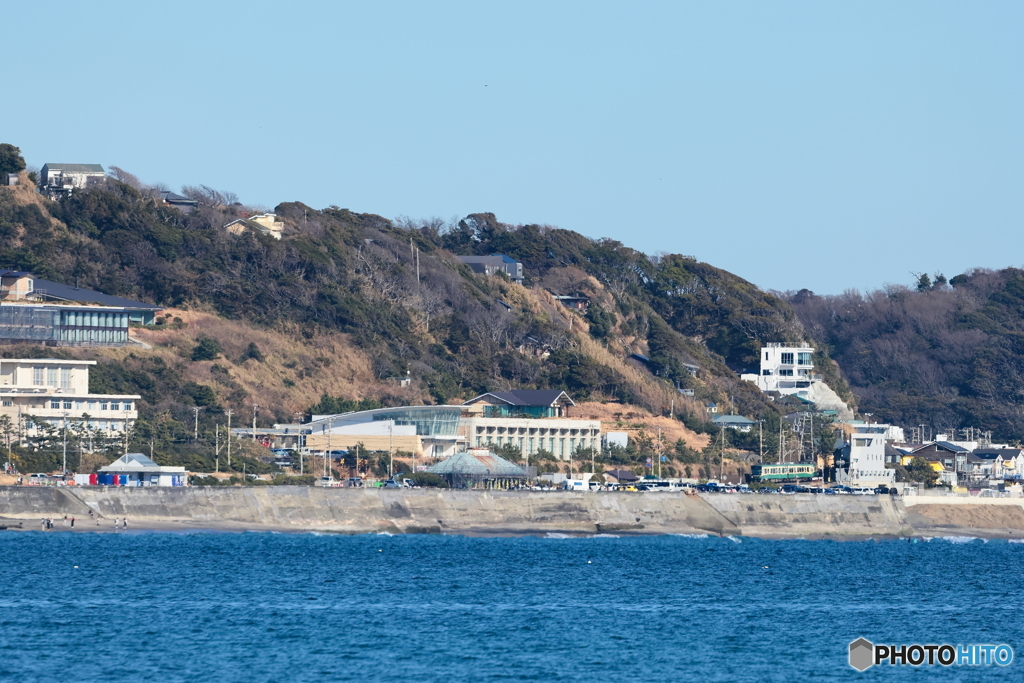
column 947, row 355
column 347, row 301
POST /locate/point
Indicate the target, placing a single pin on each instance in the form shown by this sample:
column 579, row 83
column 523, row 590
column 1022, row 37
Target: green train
column 784, row 471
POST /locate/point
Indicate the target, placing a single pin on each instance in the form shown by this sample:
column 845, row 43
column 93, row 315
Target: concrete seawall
column 499, row 512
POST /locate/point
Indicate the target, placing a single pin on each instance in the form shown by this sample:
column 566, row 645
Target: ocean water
column 149, row 606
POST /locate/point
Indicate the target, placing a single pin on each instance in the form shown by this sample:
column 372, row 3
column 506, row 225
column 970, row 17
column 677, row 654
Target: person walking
column 42, row 524
column 124, row 523
column 72, row 522
column 65, row 520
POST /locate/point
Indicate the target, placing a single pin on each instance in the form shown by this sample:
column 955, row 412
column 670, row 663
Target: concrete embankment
column 507, row 512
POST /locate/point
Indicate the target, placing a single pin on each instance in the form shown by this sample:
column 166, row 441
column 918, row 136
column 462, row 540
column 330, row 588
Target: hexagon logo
column 862, row 654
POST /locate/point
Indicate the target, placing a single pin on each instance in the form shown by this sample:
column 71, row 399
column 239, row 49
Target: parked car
column 354, row 482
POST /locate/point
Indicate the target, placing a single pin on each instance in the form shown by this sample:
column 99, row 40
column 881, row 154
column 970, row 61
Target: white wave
column 384, row 533
column 960, row 539
column 734, row 539
column 553, row 534
column 690, row 535
column 1015, row 540
column 606, row 536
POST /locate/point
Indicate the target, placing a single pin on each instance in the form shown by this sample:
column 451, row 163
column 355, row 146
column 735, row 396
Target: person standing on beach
column 42, row 524
column 72, row 522
column 65, row 520
column 124, row 523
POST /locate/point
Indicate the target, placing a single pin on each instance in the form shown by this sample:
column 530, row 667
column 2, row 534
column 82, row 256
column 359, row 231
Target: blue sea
column 154, row 606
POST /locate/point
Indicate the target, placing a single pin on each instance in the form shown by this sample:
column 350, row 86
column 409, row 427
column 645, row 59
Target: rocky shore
column 293, row 508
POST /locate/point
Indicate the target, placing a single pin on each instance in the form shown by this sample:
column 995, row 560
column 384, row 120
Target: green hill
column 400, row 298
column 945, row 355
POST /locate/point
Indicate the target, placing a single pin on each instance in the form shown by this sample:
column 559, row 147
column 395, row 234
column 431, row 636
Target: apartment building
column 37, row 391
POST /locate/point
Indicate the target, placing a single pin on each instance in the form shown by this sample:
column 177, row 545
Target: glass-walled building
column 55, row 325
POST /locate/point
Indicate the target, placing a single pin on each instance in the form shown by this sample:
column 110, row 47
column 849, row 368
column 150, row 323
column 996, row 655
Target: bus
column 784, row 471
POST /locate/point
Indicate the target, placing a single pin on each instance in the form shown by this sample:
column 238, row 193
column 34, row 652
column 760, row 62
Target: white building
column 36, row 391
column 865, row 458
column 785, row 368
column 788, row 368
column 560, row 436
column 59, row 179
column 141, row 471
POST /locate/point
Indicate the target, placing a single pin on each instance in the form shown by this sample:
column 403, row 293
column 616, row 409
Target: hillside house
column 737, row 422
column 57, row 180
column 493, row 264
column 177, row 201
column 577, row 302
column 265, row 223
column 23, row 286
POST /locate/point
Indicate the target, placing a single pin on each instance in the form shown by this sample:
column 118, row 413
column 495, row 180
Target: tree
column 11, row 160
column 924, row 282
column 921, row 470
column 206, row 349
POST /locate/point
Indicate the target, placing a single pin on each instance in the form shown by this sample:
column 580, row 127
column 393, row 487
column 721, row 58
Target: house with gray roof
column 495, row 263
column 57, row 180
column 142, row 471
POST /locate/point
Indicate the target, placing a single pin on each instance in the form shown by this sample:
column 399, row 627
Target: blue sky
column 819, row 145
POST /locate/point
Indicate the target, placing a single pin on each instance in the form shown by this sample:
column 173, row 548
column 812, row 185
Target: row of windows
column 558, row 447
column 81, row 405
column 51, row 374
column 802, row 358
column 103, row 425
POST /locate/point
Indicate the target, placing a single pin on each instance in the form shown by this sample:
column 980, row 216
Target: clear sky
column 821, row 145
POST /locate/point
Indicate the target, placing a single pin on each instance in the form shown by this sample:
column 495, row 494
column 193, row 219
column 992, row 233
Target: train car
column 784, row 471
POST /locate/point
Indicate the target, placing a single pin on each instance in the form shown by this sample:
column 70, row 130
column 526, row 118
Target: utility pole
column 64, row 467
column 760, row 440
column 659, row 452
column 229, row 414
column 391, row 450
column 721, row 458
column 255, row 407
column 781, row 449
column 195, row 428
column 216, row 447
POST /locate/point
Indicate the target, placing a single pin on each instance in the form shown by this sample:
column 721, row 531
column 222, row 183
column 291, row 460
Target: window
column 51, row 377
column 55, row 405
column 37, row 377
column 766, row 372
column 103, row 405
column 127, row 405
column 787, row 358
column 804, row 358
column 67, row 405
column 766, row 355
column 8, row 404
column 115, row 406
column 786, row 373
column 92, row 405
column 79, row 405
column 863, row 443
column 65, row 378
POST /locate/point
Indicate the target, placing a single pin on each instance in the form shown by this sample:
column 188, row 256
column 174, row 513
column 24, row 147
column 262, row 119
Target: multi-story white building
column 36, row 391
column 788, row 369
column 559, row 436
column 864, row 457
column 785, row 368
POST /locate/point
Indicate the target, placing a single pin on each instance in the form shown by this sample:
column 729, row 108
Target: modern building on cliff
column 50, row 391
column 788, row 369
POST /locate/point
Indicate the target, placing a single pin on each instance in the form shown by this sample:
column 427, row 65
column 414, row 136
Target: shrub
column 206, row 349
